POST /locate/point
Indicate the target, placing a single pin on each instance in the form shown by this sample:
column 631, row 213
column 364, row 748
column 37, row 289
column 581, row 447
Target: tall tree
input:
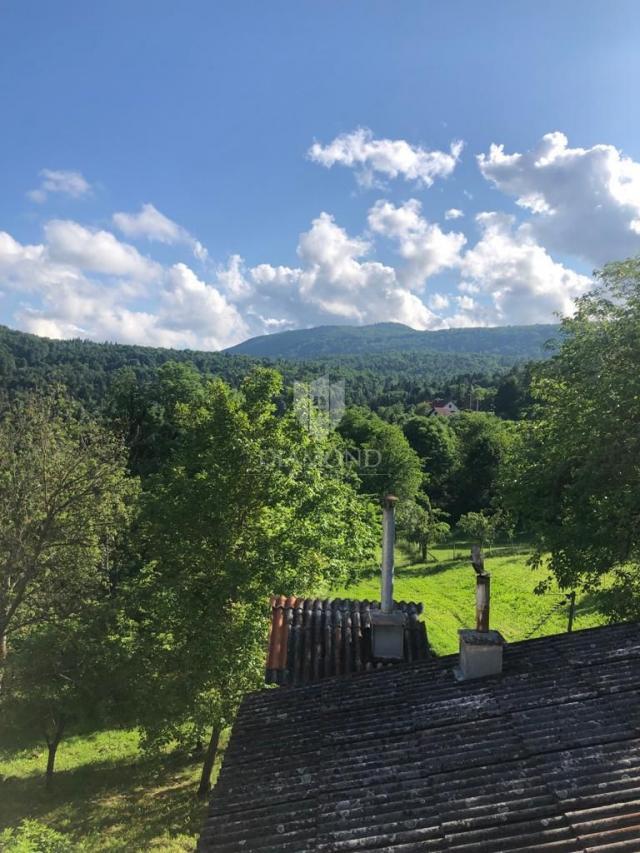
column 437, row 445
column 386, row 462
column 574, row 475
column 249, row 503
column 484, row 441
column 64, row 497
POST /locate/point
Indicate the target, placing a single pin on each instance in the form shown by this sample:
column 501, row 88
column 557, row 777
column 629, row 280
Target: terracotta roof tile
column 311, row 639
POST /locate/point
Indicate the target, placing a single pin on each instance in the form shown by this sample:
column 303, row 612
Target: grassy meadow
column 106, row 795
column 109, row 797
column 446, row 586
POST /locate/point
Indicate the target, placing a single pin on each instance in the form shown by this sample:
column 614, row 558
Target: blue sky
column 160, row 184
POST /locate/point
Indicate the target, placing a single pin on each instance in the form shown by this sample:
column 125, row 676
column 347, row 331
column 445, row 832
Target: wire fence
column 567, row 601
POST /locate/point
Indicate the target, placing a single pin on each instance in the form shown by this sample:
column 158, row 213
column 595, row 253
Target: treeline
column 521, row 342
column 388, row 383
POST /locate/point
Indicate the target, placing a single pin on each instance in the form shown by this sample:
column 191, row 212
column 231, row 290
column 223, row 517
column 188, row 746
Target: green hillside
column 87, row 368
column 523, row 342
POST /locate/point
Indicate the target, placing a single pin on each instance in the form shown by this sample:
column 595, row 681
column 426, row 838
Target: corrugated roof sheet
column 545, row 757
column 312, row 639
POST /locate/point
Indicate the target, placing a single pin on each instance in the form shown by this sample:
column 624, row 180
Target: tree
column 247, row 504
column 513, row 397
column 386, row 463
column 423, row 525
column 482, row 398
column 64, row 498
column 437, row 445
column 573, row 476
column 145, row 413
column 61, row 675
column 484, row 441
column 478, row 527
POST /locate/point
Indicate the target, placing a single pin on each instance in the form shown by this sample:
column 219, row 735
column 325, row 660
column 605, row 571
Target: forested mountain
column 523, row 342
column 375, row 378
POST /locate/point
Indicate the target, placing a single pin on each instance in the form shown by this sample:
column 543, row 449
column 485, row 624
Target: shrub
column 31, row 836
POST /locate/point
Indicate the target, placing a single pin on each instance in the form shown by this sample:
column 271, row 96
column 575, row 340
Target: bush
column 31, row 836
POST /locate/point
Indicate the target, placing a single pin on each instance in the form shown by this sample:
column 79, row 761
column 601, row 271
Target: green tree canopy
column 437, row 445
column 248, row 503
column 574, row 477
column 484, row 441
column 387, row 463
column 479, row 527
column 65, row 497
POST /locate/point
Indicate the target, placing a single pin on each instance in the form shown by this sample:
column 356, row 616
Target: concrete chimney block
column 480, row 654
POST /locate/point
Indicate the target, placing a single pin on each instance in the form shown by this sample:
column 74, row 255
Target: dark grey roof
column 310, row 639
column 545, row 757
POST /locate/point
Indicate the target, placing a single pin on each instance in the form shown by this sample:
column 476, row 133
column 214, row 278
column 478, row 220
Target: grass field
column 446, row 587
column 108, row 797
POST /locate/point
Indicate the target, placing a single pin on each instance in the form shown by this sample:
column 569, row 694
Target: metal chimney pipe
column 483, row 593
column 388, row 543
column 483, row 589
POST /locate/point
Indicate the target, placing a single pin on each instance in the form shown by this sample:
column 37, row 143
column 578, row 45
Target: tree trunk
column 424, row 550
column 3, row 657
column 207, row 766
column 53, row 744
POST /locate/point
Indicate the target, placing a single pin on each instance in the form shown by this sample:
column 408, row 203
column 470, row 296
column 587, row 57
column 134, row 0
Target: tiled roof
column 312, row 638
column 545, row 757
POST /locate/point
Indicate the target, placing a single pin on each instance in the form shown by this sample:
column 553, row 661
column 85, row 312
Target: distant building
column 444, row 409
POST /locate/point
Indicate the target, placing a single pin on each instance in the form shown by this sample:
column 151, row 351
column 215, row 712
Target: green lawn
column 446, row 587
column 108, row 797
column 106, row 794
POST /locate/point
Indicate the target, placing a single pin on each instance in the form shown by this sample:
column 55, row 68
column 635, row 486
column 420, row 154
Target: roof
column 311, row 639
column 545, row 757
column 440, row 407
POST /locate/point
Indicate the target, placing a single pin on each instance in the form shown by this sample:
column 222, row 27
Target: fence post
column 572, row 610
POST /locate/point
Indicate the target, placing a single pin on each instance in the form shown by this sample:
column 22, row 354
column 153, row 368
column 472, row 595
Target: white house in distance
column 444, row 409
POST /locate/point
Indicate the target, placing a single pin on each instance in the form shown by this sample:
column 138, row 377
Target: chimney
column 387, row 623
column 480, row 649
column 388, row 545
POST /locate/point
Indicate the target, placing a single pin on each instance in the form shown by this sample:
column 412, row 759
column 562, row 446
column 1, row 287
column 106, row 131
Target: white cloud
column 335, row 282
column 584, row 201
column 438, row 301
column 524, row 284
column 426, row 249
column 340, row 284
column 61, row 182
column 149, row 223
column 199, row 311
column 232, row 278
column 96, row 251
column 391, row 158
column 83, row 283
